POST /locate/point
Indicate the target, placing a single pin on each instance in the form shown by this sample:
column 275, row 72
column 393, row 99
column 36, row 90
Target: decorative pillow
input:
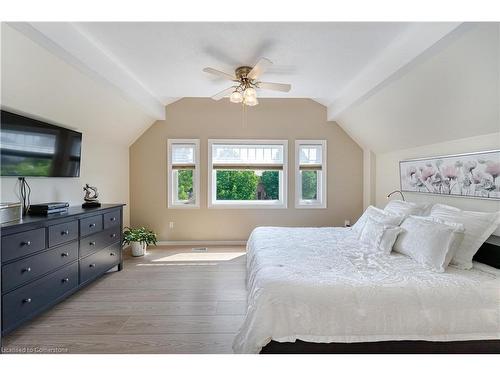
column 458, row 238
column 380, row 237
column 377, row 214
column 403, row 208
column 478, row 227
column 427, row 241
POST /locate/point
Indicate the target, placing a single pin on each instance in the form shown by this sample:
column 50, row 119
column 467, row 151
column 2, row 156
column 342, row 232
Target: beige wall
column 387, row 172
column 272, row 119
column 368, row 178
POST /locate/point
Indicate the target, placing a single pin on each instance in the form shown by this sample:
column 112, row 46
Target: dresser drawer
column 29, row 299
column 112, row 219
column 22, row 244
column 25, row 270
column 100, row 262
column 62, row 233
column 90, row 225
column 98, row 241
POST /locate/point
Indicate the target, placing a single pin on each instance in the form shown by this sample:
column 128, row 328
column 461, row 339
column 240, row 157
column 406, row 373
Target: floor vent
column 200, row 249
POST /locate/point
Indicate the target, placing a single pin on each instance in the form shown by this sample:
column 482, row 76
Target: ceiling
column 157, row 63
column 37, row 83
column 319, row 59
column 449, row 93
column 382, row 82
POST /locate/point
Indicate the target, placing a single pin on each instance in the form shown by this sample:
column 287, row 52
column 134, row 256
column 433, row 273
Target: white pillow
column 379, row 215
column 478, row 227
column 427, row 241
column 403, row 208
column 380, row 237
column 457, row 239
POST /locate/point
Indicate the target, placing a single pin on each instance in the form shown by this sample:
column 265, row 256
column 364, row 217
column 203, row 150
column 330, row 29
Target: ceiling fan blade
column 285, row 87
column 223, row 93
column 259, row 68
column 228, row 76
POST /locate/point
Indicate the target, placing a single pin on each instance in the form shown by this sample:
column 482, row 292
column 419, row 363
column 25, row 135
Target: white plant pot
column 138, row 248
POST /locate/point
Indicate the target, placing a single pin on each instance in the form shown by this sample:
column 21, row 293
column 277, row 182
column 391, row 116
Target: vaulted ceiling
column 450, row 92
column 344, row 66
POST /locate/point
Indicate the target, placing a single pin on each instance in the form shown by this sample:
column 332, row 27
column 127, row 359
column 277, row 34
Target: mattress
column 322, row 285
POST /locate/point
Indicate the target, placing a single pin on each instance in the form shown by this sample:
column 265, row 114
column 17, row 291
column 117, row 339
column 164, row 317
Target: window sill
column 183, row 206
column 246, row 205
column 310, row 205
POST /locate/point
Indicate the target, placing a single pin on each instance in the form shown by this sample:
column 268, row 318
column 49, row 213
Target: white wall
column 387, row 171
column 451, row 92
column 37, row 83
column 446, row 102
column 104, row 165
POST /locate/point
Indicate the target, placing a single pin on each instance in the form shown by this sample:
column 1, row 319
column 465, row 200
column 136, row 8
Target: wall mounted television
column 33, row 148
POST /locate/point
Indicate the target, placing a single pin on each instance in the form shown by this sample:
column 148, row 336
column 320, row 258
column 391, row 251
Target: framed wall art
column 472, row 175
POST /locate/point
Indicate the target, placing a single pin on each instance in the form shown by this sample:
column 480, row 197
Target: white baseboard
column 201, row 243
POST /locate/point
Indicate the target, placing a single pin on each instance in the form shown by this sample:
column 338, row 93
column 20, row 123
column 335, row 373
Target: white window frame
column 255, row 204
column 172, row 182
column 322, row 184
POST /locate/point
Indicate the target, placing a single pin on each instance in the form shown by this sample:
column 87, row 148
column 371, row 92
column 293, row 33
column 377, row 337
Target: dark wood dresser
column 44, row 259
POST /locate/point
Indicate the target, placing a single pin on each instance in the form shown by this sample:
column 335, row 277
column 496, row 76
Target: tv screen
column 31, row 147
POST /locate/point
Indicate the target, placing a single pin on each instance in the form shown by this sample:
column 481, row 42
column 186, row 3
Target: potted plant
column 139, row 239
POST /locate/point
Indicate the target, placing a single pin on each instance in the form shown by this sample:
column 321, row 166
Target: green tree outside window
column 309, row 185
column 184, row 184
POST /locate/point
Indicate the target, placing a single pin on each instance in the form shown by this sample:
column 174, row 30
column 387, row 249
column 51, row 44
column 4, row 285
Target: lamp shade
column 250, row 93
column 236, row 97
column 251, row 101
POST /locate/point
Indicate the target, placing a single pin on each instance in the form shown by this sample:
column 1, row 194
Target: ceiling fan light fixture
column 245, row 82
column 236, row 97
column 250, row 93
column 251, row 101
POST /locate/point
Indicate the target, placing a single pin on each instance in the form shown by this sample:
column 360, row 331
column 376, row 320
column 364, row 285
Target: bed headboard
column 489, row 252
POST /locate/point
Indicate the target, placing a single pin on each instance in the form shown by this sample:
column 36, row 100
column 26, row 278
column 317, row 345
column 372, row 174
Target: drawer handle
column 92, row 243
column 113, row 235
column 26, row 243
column 92, row 225
column 112, row 218
column 27, row 269
column 112, row 254
column 65, row 280
column 92, row 265
column 27, row 300
column 64, row 232
column 65, row 254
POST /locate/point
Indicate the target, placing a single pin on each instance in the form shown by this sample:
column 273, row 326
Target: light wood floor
column 173, row 300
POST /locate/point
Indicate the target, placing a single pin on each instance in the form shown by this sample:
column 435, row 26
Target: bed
column 321, row 285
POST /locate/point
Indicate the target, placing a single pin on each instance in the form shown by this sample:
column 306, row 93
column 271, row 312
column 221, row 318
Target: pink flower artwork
column 475, row 175
column 493, row 169
column 450, row 171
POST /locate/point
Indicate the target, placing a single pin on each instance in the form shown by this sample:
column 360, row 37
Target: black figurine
column 90, row 198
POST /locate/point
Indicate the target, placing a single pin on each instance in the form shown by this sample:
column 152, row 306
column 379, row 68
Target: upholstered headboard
column 489, row 253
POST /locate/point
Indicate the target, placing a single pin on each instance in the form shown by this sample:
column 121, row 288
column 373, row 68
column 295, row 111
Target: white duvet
column 323, row 285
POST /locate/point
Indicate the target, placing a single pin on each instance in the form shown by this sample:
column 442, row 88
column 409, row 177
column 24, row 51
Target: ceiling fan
column 246, row 82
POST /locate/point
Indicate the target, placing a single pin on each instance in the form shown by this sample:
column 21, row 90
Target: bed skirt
column 385, row 347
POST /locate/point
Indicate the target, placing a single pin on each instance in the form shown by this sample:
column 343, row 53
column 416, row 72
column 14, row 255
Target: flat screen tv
column 33, row 148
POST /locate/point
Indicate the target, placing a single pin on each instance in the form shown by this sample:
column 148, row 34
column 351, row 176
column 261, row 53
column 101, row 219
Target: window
column 310, row 174
column 247, row 173
column 183, row 173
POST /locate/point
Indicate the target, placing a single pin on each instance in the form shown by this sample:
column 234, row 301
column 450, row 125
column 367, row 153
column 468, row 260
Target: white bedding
column 323, row 285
